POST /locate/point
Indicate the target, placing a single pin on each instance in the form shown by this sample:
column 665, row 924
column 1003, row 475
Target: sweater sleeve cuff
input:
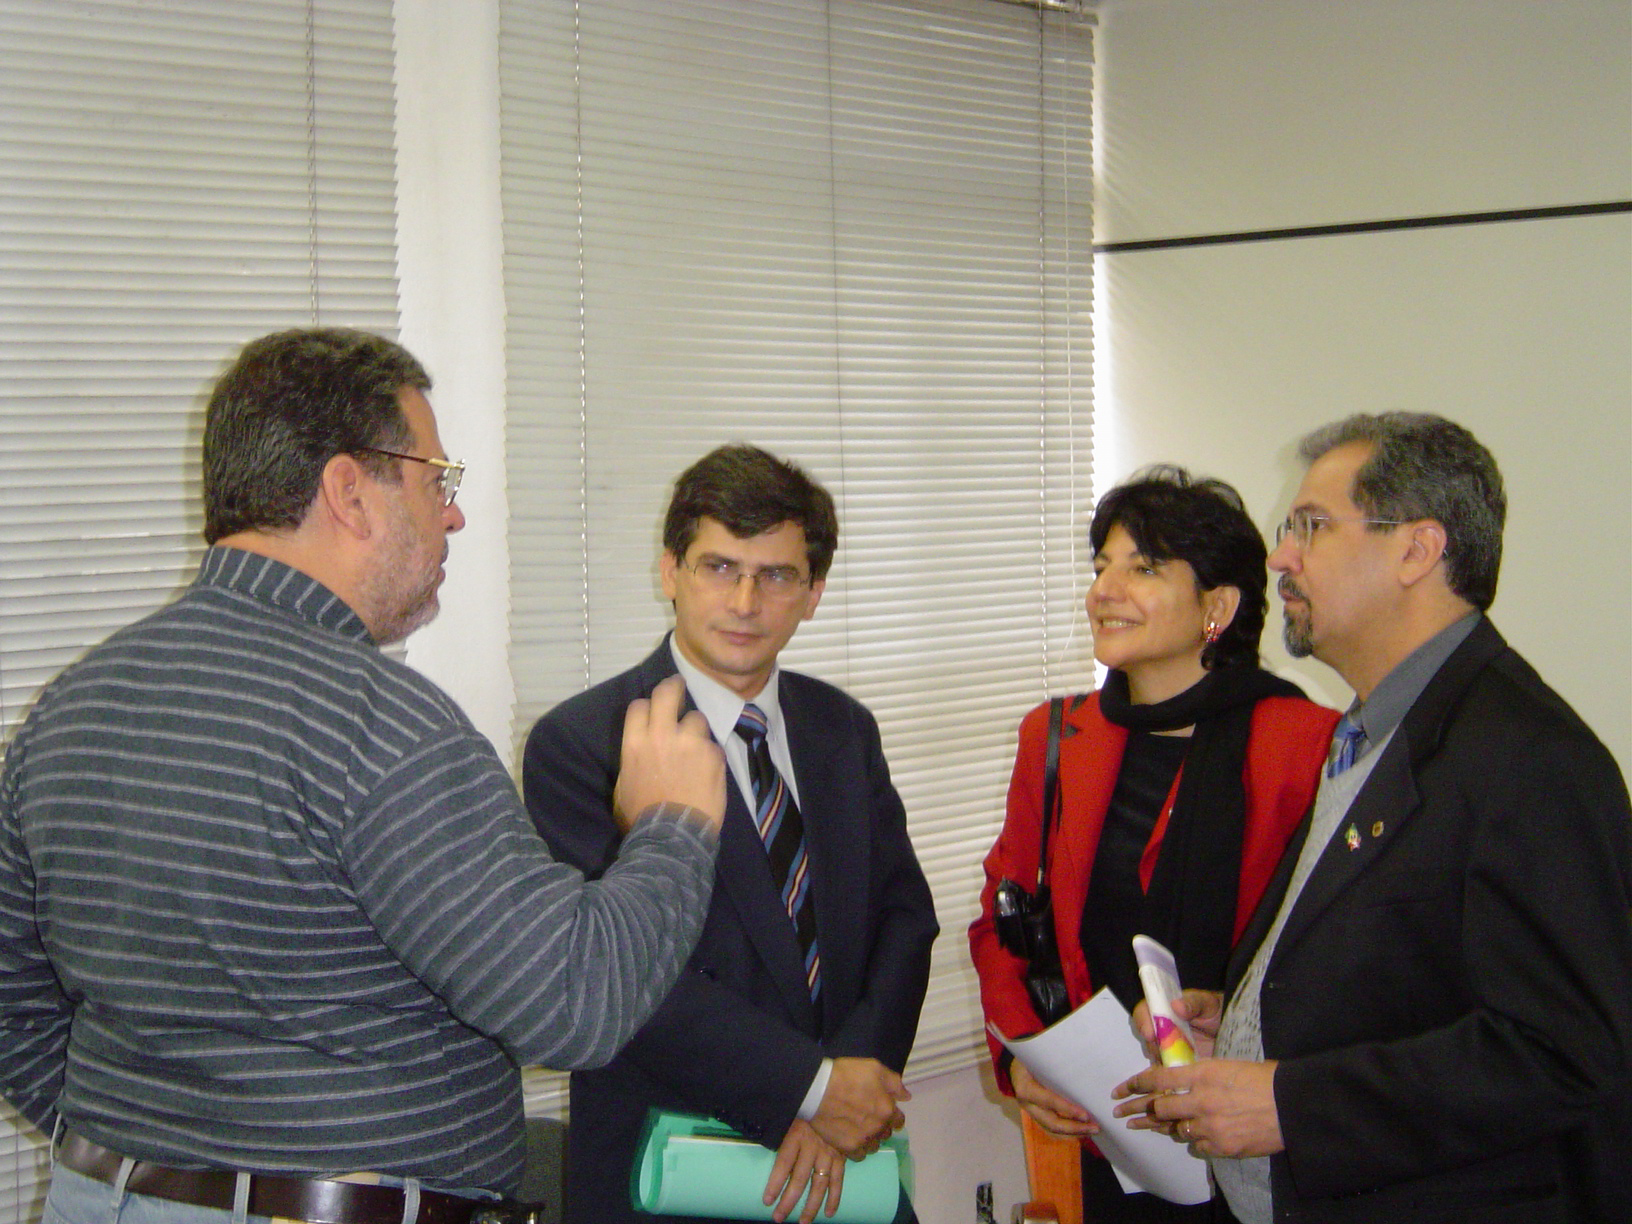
column 689, row 818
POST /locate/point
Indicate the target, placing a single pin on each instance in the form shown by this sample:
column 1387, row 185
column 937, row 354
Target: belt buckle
column 508, row 1212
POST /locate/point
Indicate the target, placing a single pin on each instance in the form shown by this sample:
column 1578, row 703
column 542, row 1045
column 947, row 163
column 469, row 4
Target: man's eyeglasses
column 777, row 583
column 448, row 478
column 1302, row 524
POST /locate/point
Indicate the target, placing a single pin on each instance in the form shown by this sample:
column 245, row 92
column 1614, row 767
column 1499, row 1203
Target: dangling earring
column 1211, row 632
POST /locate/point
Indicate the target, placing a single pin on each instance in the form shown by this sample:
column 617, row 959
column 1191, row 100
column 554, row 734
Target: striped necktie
column 1346, row 741
column 783, row 831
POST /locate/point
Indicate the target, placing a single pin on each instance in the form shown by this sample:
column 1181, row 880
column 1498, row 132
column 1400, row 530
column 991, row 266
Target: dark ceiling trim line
column 1366, row 227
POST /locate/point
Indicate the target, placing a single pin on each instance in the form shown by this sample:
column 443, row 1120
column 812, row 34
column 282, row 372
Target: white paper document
column 1083, row 1057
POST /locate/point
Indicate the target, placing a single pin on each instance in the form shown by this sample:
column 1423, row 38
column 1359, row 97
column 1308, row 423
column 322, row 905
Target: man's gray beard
column 399, row 599
column 1296, row 637
column 408, row 620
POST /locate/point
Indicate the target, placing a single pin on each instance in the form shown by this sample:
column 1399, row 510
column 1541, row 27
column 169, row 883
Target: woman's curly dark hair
column 1174, row 516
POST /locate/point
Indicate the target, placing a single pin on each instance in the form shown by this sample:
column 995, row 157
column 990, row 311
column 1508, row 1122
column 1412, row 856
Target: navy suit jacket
column 1451, row 996
column 738, row 1037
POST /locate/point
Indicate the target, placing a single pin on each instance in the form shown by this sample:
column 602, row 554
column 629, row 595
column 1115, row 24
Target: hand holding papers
column 1058, row 1115
column 1217, row 1106
column 1083, row 1057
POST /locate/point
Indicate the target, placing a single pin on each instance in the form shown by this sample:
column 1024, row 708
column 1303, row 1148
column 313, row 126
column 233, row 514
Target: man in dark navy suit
column 798, row 1009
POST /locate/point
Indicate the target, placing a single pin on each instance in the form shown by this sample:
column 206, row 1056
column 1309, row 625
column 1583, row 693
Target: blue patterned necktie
column 1346, row 741
column 783, row 831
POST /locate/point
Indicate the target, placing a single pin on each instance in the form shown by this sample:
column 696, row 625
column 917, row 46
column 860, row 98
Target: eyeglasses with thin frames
column 1302, row 524
column 449, row 476
column 775, row 583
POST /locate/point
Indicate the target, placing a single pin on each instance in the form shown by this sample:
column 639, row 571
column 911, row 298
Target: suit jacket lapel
column 839, row 848
column 1389, row 799
column 1091, row 749
column 1269, row 905
column 1384, row 805
column 743, row 875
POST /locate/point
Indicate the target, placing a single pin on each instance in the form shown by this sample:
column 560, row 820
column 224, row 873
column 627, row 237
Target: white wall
column 1220, row 116
column 961, row 1137
column 449, row 252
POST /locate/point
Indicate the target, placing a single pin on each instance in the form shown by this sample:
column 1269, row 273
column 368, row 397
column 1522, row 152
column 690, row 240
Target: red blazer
column 1285, row 753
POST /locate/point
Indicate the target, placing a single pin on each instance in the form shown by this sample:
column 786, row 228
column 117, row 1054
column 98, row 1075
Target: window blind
column 175, row 179
column 857, row 234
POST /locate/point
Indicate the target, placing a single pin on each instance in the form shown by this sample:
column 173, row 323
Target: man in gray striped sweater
column 275, row 931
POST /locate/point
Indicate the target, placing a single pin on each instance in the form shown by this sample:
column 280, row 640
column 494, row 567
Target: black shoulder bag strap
column 1051, row 788
column 1045, row 978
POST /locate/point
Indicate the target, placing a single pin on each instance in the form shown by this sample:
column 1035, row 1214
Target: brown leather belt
column 320, row 1202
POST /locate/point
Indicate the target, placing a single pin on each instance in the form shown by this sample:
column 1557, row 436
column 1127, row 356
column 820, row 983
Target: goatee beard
column 1295, row 634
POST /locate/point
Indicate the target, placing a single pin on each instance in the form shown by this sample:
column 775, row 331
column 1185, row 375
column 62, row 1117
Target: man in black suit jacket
column 1430, row 1016
column 796, row 1042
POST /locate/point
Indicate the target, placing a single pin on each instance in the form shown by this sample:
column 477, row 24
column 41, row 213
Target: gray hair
column 1422, row 466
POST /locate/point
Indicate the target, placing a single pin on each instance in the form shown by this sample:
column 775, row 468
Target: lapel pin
column 1353, row 838
column 1377, row 829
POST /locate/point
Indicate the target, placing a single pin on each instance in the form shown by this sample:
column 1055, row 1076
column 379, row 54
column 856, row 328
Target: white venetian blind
column 175, row 179
column 856, row 233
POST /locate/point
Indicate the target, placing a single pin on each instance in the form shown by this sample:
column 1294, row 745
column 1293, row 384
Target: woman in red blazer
column 1180, row 781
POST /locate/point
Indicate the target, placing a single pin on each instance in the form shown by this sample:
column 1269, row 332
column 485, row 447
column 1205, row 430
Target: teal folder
column 696, row 1166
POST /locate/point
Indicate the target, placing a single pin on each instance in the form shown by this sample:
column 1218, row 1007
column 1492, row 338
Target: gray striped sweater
column 269, row 901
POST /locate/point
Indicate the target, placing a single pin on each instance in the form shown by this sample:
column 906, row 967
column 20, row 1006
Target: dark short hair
column 289, row 403
column 1174, row 516
column 749, row 491
column 1422, row 466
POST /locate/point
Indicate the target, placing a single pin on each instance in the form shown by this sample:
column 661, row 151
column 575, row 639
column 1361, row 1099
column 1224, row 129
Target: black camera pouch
column 1025, row 920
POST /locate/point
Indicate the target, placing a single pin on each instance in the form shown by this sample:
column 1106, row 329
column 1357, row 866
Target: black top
column 1111, row 915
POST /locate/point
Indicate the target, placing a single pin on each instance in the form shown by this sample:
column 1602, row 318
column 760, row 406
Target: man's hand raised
column 668, row 759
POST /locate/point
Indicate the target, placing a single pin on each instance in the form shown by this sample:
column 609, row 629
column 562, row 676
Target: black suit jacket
column 738, row 1037
column 1451, row 996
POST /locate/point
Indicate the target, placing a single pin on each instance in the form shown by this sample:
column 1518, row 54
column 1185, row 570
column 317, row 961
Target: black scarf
column 1190, row 905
